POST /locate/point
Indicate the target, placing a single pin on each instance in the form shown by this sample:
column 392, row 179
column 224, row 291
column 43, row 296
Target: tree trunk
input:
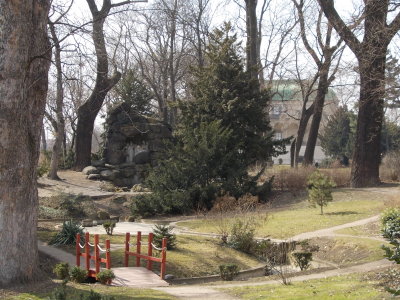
column 24, row 65
column 319, row 103
column 366, row 156
column 88, row 111
column 43, row 138
column 59, row 130
column 252, row 38
column 305, row 117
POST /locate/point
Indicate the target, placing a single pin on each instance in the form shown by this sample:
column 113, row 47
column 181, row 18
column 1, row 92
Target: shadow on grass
column 341, row 213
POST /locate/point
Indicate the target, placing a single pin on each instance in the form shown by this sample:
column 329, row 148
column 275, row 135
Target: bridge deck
column 137, row 277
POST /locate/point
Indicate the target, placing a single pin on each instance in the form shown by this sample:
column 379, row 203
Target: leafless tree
column 378, row 31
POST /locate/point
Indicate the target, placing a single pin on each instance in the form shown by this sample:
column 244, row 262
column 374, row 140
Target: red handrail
column 149, row 257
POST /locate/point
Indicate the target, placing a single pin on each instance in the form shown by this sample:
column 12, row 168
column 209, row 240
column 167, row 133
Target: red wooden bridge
column 126, row 276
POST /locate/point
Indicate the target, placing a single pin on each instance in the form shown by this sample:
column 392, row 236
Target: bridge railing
column 96, row 256
column 149, row 257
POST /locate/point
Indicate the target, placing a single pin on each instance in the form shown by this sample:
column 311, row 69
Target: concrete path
column 56, row 253
column 122, row 228
column 331, row 230
column 213, row 292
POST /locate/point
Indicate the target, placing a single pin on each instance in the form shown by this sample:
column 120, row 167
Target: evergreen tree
column 132, row 90
column 224, row 92
column 223, row 131
column 337, row 136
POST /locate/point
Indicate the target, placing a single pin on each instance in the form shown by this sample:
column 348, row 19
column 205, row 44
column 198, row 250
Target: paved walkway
column 137, row 277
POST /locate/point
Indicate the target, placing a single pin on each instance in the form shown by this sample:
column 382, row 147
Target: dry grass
column 294, row 180
column 390, row 168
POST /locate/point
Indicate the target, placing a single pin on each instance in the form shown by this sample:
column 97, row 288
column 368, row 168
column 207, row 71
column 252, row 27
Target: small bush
column 105, row 276
column 61, row 270
column 95, row 296
column 78, row 274
column 391, row 232
column 59, row 293
column 145, row 206
column 320, row 189
column 302, row 259
column 44, row 163
column 162, row 231
column 103, row 215
column 67, row 235
column 242, row 236
column 228, row 272
column 72, row 204
column 109, row 227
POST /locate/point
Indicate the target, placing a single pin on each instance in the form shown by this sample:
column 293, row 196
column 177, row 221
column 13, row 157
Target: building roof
column 289, row 90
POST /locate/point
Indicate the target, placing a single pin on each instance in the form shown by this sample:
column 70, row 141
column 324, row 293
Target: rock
column 90, row 170
column 107, row 175
column 98, row 163
column 169, row 277
column 94, row 177
column 142, row 158
column 128, row 172
column 130, row 219
column 138, row 188
column 87, row 223
column 114, row 218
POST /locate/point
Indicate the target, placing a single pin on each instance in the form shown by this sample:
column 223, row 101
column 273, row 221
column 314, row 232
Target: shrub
column 320, row 189
column 67, row 235
column 391, row 232
column 280, row 161
column 103, row 215
column 72, row 204
column 95, row 296
column 290, row 179
column 61, row 270
column 59, row 293
column 145, row 206
column 228, row 272
column 242, row 236
column 78, row 274
column 44, row 163
column 302, row 259
column 105, row 276
column 109, row 227
column 163, row 231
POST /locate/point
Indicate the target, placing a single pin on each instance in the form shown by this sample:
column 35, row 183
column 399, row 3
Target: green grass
column 345, row 251
column 195, row 256
column 339, row 287
column 348, row 206
column 372, row 229
column 121, row 293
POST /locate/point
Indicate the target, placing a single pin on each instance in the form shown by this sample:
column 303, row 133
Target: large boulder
column 90, row 170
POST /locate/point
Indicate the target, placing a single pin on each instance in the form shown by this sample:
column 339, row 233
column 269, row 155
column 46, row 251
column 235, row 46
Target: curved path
column 211, row 292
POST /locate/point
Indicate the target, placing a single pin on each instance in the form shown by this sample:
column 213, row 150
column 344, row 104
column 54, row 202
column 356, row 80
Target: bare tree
column 371, row 55
column 24, row 64
column 324, row 74
column 88, row 111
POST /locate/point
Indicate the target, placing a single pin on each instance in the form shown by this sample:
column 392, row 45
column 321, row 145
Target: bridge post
column 87, row 251
column 127, row 240
column 138, row 247
column 78, row 250
column 150, row 252
column 96, row 254
column 163, row 258
column 108, row 254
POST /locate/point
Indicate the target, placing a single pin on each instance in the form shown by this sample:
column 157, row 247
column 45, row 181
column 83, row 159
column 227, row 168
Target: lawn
column 75, row 290
column 339, row 287
column 371, row 229
column 348, row 206
column 344, row 251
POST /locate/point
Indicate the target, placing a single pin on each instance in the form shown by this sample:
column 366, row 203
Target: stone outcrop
column 133, row 144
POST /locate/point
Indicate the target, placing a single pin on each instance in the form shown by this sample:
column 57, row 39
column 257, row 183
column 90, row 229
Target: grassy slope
column 347, row 206
column 340, row 287
column 121, row 293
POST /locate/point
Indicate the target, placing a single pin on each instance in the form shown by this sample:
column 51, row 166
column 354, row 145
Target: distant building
column 285, row 111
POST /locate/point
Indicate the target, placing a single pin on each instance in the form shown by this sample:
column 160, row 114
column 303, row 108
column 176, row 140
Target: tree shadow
column 342, row 213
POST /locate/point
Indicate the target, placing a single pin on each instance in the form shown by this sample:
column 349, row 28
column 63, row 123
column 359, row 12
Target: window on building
column 278, row 135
